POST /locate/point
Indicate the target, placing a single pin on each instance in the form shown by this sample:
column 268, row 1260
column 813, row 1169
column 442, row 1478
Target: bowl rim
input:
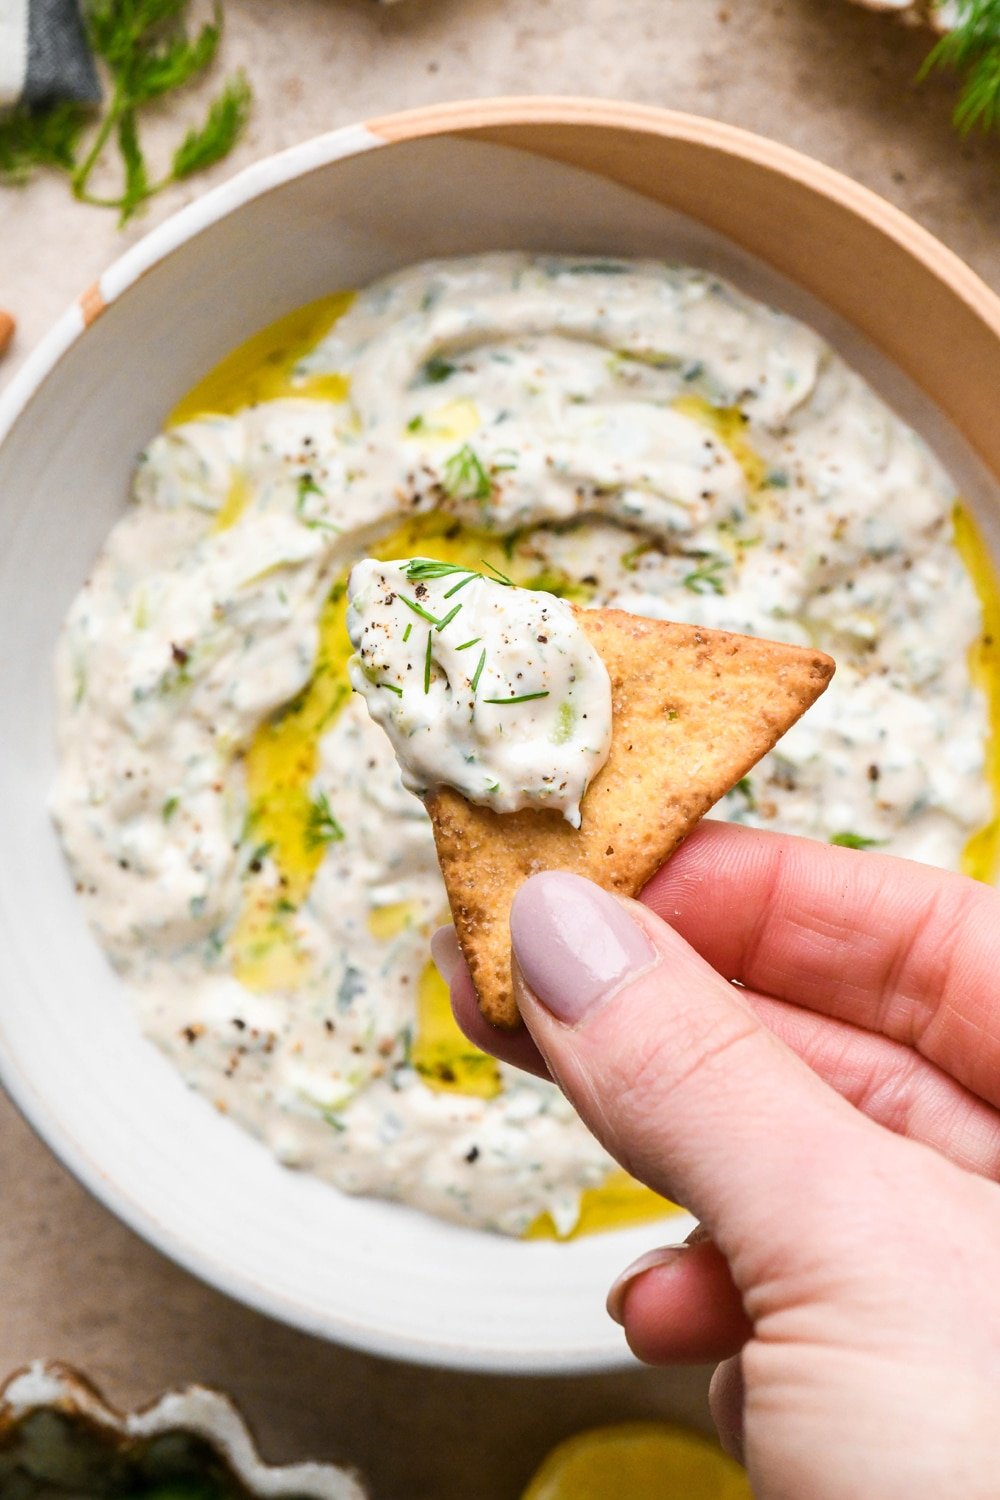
column 486, row 119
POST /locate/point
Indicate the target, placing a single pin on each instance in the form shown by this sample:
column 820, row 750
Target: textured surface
column 830, row 79
column 693, row 709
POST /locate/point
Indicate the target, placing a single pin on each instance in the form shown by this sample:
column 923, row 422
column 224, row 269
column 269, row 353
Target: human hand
column 851, row 1260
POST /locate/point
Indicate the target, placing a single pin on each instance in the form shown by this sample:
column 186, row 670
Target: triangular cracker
column 694, row 710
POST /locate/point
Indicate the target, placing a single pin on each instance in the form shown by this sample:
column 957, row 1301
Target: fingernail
column 574, row 943
column 619, row 1288
column 446, row 953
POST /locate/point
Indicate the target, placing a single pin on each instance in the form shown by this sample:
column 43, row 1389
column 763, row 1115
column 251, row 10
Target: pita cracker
column 693, row 710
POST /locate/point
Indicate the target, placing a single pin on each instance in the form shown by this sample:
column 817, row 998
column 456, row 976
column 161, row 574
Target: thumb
column 674, row 1074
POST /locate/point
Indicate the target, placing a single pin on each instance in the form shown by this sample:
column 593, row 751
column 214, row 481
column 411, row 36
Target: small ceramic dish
column 60, row 1440
column 543, row 174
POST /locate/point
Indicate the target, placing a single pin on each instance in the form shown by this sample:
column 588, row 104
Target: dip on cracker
column 484, row 687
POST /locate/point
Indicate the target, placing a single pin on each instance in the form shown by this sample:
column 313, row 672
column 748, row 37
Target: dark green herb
column 170, row 807
column 465, row 478
column 418, row 609
column 479, row 671
column 972, row 51
column 31, row 138
column 461, row 584
column 508, row 583
column 421, row 568
column 855, row 841
column 466, row 644
column 524, row 698
column 148, row 53
column 744, row 788
column 436, row 370
column 391, row 687
column 706, row 578
column 449, row 617
column 427, row 662
column 307, row 486
column 223, row 125
column 415, row 424
column 322, row 827
column 406, row 632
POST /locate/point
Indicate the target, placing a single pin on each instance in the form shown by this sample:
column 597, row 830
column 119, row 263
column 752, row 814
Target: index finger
column 893, row 946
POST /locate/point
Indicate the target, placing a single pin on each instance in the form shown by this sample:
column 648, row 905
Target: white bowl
column 337, row 212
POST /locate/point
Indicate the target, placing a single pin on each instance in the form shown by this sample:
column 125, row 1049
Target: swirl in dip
column 621, row 433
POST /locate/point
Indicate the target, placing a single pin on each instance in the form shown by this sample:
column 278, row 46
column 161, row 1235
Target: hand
column 850, row 1275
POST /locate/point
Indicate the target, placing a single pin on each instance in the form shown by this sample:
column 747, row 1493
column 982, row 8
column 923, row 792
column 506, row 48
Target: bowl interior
column 365, row 1272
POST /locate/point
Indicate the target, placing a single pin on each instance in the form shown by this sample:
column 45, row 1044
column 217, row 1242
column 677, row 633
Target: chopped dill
column 465, row 478
column 508, row 583
column 479, row 670
column 466, row 644
column 427, row 662
column 706, row 578
column 523, row 698
column 422, row 568
column 437, row 369
column 392, row 688
column 461, row 584
column 322, row 827
column 448, row 617
column 418, row 609
column 406, row 632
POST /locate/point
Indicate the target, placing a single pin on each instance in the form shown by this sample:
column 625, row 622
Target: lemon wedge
column 638, row 1461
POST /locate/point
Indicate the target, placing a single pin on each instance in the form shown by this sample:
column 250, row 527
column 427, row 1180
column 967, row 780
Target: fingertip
column 514, row 1047
column 679, row 1305
column 446, row 953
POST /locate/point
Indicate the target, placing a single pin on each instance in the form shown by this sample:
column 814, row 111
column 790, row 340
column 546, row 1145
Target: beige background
column 835, row 82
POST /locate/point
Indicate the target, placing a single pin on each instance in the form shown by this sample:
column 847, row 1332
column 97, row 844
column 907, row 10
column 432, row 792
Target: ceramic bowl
column 59, row 1437
column 544, row 174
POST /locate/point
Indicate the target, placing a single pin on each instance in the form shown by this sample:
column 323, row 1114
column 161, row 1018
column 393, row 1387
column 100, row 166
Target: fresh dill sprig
column 148, row 52
column 427, row 662
column 466, row 644
column 31, row 138
column 406, row 632
column 479, row 670
column 465, row 477
column 420, row 568
column 971, row 49
column 321, row 826
column 391, row 687
column 523, row 698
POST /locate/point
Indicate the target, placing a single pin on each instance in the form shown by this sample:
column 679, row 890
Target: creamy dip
column 630, row 434
column 498, row 694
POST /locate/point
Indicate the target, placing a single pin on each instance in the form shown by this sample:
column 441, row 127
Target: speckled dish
column 545, row 174
column 60, row 1440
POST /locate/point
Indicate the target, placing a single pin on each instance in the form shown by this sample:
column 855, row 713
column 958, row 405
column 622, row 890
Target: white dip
column 628, row 434
column 498, row 694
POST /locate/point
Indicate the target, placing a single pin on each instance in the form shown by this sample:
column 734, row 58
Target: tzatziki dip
column 522, row 721
column 632, row 434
